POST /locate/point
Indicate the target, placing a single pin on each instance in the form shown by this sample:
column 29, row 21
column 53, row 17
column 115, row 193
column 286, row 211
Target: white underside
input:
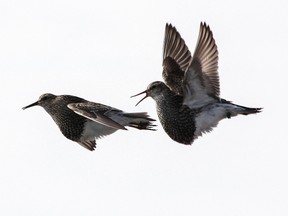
column 94, row 130
column 211, row 115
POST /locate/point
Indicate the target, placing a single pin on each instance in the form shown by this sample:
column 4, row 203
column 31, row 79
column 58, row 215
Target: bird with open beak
column 188, row 103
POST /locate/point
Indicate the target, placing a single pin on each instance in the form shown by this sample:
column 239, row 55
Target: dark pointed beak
column 144, row 92
column 31, row 105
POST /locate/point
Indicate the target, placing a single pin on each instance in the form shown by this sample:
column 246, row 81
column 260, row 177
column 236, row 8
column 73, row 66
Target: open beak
column 31, row 105
column 144, row 92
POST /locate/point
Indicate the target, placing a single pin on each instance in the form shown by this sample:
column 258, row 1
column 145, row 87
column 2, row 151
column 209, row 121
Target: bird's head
column 153, row 90
column 44, row 100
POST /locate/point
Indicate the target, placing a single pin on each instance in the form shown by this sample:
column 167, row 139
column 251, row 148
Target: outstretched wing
column 201, row 80
column 176, row 58
column 95, row 112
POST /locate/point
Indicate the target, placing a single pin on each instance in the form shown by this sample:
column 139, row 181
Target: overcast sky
column 106, row 51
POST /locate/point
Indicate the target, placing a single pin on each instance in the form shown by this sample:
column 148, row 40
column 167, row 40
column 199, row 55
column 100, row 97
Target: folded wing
column 91, row 111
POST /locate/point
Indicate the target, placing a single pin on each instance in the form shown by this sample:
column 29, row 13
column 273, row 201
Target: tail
column 140, row 120
column 234, row 109
column 248, row 110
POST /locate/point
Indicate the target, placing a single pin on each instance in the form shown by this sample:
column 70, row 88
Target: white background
column 106, row 51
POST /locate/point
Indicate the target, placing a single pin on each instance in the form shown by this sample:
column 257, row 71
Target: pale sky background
column 106, row 51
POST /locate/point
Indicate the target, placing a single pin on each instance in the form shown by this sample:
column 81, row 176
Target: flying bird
column 188, row 103
column 83, row 121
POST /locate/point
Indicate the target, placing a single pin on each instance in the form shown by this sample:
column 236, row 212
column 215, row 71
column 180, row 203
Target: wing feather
column 89, row 110
column 176, row 58
column 201, row 79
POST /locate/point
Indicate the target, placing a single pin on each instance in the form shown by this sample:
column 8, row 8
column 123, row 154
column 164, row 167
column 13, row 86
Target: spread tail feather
column 248, row 110
column 241, row 110
column 141, row 121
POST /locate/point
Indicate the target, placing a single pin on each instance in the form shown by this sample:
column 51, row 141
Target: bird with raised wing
column 188, row 103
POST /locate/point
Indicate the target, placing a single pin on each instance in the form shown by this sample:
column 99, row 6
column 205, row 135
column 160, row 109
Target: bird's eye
column 44, row 98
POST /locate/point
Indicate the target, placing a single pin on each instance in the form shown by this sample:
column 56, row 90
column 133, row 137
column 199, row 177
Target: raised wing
column 201, row 80
column 96, row 113
column 176, row 58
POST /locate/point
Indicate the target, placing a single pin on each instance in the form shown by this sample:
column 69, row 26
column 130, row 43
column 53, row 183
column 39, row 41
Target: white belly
column 95, row 130
column 209, row 118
